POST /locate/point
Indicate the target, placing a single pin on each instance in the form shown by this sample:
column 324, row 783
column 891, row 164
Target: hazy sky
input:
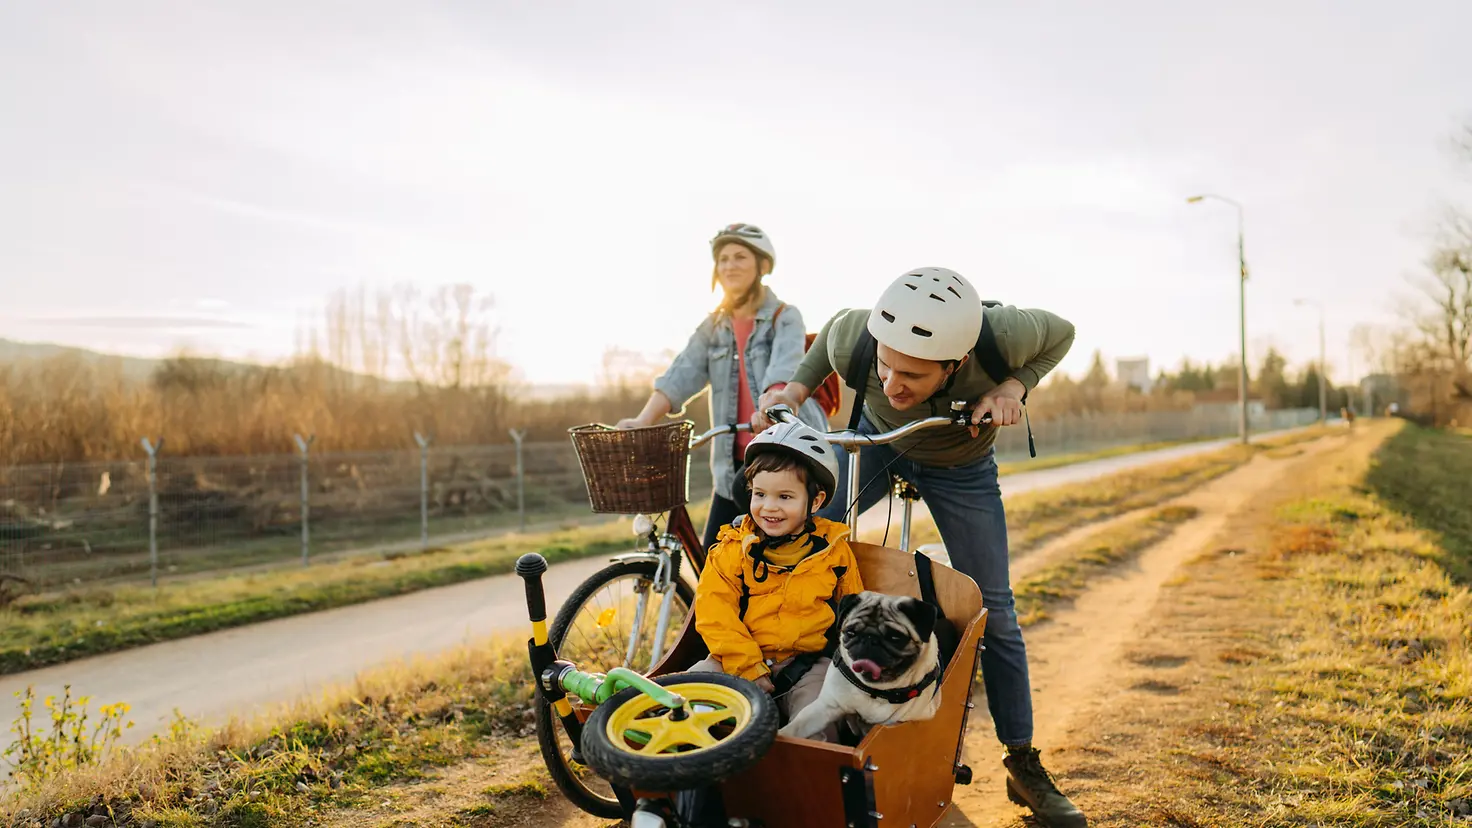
column 207, row 173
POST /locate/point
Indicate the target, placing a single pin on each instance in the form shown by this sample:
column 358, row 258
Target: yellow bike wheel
column 727, row 725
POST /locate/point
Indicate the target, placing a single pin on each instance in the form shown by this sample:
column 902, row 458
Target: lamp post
column 1241, row 314
column 1323, row 393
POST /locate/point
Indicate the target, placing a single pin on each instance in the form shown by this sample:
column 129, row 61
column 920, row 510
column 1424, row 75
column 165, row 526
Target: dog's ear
column 922, row 614
column 845, row 604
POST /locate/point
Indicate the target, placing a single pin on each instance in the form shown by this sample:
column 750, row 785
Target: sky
column 183, row 174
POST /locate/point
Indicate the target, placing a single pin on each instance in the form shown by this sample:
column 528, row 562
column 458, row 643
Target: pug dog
column 885, row 669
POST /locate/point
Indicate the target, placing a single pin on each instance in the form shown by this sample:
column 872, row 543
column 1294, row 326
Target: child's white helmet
column 801, row 440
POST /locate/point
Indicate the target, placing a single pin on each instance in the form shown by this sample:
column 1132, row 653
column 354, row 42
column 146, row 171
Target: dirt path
column 1109, row 618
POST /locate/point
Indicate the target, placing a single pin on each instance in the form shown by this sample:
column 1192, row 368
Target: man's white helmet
column 928, row 313
column 797, row 438
column 749, row 235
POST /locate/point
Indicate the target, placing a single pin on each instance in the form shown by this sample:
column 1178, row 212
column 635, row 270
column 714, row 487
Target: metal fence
column 90, row 522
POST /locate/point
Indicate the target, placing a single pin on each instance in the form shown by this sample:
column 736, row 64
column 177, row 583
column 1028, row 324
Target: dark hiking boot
column 1031, row 786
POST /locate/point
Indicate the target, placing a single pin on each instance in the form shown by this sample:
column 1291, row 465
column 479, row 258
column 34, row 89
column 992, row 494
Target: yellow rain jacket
column 787, row 595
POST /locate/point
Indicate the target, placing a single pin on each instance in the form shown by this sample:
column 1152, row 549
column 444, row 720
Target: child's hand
column 765, row 683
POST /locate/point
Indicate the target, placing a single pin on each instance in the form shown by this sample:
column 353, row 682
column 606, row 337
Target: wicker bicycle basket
column 634, row 471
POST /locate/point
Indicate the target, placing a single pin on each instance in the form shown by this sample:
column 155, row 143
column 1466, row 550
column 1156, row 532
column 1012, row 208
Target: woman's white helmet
column 801, row 440
column 928, row 313
column 747, row 234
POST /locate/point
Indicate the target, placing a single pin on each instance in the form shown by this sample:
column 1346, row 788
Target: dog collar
column 897, row 695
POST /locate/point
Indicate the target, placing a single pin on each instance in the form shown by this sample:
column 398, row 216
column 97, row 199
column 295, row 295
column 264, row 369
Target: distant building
column 1134, row 373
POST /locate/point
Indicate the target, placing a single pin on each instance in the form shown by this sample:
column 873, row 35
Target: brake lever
column 962, row 416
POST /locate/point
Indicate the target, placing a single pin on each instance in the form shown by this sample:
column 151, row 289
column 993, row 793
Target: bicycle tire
column 683, row 771
column 548, row 726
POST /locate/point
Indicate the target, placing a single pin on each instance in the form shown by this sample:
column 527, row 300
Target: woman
column 745, row 347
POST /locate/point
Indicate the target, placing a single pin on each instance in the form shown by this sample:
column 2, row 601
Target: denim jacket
column 710, row 360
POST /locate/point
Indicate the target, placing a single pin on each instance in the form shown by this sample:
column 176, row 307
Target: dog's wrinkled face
column 882, row 636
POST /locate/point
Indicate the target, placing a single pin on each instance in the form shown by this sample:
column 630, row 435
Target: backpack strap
column 860, row 364
column 989, row 355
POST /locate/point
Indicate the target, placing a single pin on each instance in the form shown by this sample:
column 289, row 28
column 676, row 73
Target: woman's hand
column 773, row 396
column 765, row 683
column 630, row 422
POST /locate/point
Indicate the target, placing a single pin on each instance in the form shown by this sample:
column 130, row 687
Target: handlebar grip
column 530, row 567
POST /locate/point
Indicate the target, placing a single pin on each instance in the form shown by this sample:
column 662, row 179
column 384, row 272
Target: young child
column 768, row 595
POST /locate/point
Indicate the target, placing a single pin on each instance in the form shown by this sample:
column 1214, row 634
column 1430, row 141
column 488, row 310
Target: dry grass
column 1069, row 576
column 1331, row 673
column 314, row 757
column 1035, row 518
column 68, row 409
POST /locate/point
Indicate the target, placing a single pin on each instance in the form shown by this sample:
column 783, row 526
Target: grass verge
column 1066, row 579
column 1034, row 518
column 41, row 630
column 1324, row 672
column 1054, row 461
column 340, row 751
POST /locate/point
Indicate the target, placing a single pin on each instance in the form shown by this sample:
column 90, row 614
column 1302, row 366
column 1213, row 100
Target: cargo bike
column 627, row 734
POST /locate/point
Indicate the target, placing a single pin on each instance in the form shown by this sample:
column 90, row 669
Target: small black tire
column 579, row 793
column 735, row 753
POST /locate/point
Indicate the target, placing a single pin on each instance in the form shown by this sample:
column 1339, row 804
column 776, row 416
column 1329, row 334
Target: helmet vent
column 888, row 317
column 952, row 289
column 913, row 287
column 937, row 298
column 919, row 331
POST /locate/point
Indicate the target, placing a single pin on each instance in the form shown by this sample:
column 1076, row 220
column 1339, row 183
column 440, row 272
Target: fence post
column 517, row 435
column 153, row 449
column 423, row 488
column 305, row 447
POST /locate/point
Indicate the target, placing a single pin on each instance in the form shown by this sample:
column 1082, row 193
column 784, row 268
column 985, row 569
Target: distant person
column 749, row 345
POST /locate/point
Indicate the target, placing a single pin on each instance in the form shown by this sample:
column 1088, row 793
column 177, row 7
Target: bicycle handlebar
column 960, row 415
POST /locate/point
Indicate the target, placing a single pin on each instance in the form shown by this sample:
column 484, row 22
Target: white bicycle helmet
column 928, row 313
column 747, row 234
column 797, row 438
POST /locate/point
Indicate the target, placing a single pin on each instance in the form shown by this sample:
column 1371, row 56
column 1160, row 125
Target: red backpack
column 827, row 394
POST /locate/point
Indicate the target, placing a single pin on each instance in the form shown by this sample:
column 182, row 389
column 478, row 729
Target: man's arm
column 1045, row 337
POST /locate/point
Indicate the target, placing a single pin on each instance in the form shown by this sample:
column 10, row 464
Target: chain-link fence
column 89, row 522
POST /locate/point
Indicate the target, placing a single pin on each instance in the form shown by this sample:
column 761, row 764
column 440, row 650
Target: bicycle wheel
column 599, row 619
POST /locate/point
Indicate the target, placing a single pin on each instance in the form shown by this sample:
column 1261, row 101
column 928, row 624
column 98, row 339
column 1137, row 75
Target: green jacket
column 1032, row 341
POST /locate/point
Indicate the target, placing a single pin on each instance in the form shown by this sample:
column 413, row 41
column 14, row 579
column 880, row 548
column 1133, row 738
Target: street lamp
column 1323, row 394
column 1241, row 312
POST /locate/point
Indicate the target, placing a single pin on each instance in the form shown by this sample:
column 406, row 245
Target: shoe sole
column 1017, row 799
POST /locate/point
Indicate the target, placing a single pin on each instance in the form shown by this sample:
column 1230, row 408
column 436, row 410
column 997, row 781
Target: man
column 933, row 344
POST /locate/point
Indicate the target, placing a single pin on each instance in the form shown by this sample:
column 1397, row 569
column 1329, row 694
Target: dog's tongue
column 868, row 668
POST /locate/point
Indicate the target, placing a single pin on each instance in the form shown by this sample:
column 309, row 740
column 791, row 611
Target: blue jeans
column 966, row 504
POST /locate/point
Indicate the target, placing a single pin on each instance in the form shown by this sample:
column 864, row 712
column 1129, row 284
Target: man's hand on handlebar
column 765, row 683
column 1004, row 404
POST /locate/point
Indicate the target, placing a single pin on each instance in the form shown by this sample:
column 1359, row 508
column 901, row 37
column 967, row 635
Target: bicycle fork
column 663, row 584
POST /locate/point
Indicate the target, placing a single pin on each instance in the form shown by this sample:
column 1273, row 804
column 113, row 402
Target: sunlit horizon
column 206, row 180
